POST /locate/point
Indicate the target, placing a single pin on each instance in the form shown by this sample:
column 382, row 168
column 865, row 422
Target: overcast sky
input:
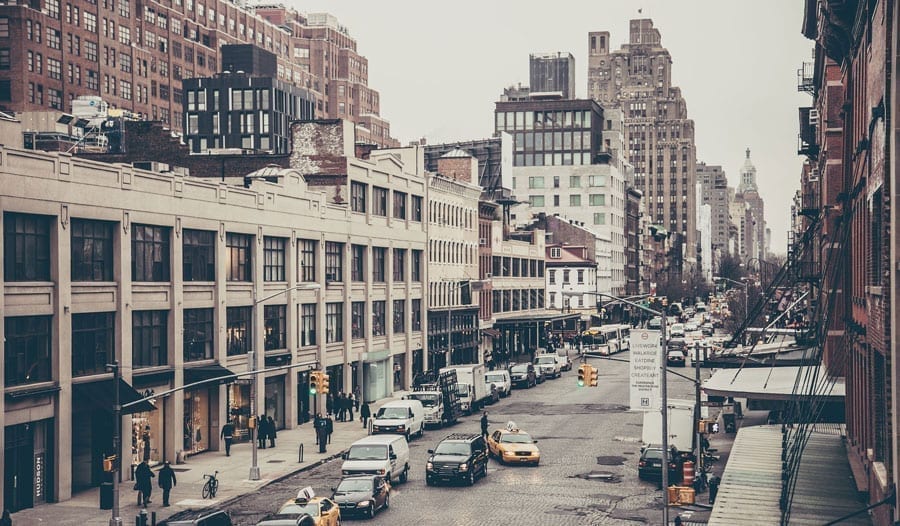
column 440, row 66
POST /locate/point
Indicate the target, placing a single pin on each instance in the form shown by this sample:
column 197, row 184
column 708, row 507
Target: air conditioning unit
column 814, row 175
column 813, row 116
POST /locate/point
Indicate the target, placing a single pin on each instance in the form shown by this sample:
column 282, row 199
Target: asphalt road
column 589, row 444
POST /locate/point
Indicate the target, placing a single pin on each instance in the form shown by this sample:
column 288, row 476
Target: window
column 416, row 266
column 4, row 27
column 237, row 332
column 551, row 277
column 536, row 200
column 149, row 253
column 358, row 320
column 149, row 338
column 574, row 200
column 399, row 264
column 334, row 261
column 199, row 255
column 599, row 218
column 93, row 341
column 238, row 255
column 198, row 335
column 597, row 180
column 580, row 277
column 26, row 247
column 90, row 22
column 597, row 199
column 416, row 312
column 379, row 201
column 27, row 350
column 416, row 204
column 307, row 324
column 54, row 97
column 92, row 250
column 535, row 182
column 307, row 260
column 378, row 314
column 334, row 322
column 358, row 197
column 399, row 316
column 399, row 205
column 358, row 264
column 4, row 58
column 90, row 51
column 54, row 38
column 379, row 255
column 274, row 257
column 275, row 326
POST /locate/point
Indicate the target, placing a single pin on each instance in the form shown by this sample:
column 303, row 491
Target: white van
column 385, row 455
column 500, row 379
column 400, row 417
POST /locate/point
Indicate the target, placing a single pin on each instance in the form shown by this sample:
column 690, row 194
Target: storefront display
column 196, row 421
column 239, row 409
column 275, row 400
column 146, row 437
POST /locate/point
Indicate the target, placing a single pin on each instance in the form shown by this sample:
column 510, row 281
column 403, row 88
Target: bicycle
column 211, row 486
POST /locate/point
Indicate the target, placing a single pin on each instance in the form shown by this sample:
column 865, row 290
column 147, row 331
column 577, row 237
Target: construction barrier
column 687, row 473
column 681, row 495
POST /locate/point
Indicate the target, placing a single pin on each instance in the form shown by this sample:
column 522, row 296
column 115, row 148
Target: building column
column 62, row 356
column 173, row 429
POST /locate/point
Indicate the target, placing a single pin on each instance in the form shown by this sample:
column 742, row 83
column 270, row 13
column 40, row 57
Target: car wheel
column 387, row 499
column 372, row 508
column 407, row 435
column 484, row 470
column 471, row 480
column 429, row 482
column 404, row 476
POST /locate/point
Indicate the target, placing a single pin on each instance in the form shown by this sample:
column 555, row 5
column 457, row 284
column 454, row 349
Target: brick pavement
column 83, row 509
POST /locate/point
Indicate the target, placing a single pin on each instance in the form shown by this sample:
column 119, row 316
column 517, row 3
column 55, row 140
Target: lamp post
column 115, row 519
column 251, row 366
column 743, row 284
column 663, row 388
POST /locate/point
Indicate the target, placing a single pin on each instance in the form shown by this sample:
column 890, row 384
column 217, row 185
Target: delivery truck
column 471, row 388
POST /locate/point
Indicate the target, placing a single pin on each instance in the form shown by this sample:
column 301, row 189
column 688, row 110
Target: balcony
column 809, row 204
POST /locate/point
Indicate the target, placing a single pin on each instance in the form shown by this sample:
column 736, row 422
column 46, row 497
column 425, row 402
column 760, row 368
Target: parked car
column 548, row 365
column 650, row 465
column 501, row 380
column 523, row 375
column 362, row 495
column 676, row 330
column 457, row 458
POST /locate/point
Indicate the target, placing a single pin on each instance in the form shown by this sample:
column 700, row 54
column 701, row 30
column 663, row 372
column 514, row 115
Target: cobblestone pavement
column 589, row 442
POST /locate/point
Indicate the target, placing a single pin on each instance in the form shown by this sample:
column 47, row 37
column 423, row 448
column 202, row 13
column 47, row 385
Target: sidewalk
column 83, row 509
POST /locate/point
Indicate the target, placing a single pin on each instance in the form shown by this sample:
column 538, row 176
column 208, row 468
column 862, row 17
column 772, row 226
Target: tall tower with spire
column 748, row 175
column 748, row 192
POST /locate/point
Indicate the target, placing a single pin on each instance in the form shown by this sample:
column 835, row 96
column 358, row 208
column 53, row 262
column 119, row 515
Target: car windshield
column 516, row 438
column 452, row 448
column 652, row 454
column 391, row 413
column 521, row 369
column 462, row 389
column 374, row 452
column 311, row 508
column 488, row 378
column 428, row 400
column 547, row 359
column 354, row 485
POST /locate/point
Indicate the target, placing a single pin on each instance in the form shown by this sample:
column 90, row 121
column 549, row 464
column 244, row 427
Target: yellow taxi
column 325, row 511
column 513, row 446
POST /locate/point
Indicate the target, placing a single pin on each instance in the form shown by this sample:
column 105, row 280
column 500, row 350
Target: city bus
column 607, row 339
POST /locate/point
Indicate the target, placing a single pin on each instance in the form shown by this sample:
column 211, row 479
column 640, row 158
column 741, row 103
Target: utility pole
column 116, row 520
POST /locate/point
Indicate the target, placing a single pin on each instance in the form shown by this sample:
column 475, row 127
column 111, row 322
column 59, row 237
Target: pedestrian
column 329, row 403
column 262, row 430
column 341, row 407
column 357, row 396
column 714, row 482
column 329, row 427
column 349, row 407
column 272, row 432
column 228, row 436
column 364, row 414
column 677, row 517
column 145, row 437
column 484, row 424
column 6, row 520
column 166, row 481
column 321, row 432
column 143, row 485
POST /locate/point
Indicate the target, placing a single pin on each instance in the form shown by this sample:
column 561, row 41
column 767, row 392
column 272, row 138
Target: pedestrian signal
column 583, row 374
column 592, row 378
column 323, row 383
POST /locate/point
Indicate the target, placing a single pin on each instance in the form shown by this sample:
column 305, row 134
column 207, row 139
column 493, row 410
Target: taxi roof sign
column 305, row 494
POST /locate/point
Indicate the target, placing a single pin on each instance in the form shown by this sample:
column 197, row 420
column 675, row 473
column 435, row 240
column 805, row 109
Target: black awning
column 208, row 372
column 101, row 395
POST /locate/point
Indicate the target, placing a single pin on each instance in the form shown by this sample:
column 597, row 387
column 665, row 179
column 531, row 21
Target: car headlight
column 429, row 466
column 464, row 467
column 403, row 427
column 507, row 453
column 346, row 472
column 364, row 504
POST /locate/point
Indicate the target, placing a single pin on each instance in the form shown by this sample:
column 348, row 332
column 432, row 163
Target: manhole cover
column 602, row 476
column 611, row 460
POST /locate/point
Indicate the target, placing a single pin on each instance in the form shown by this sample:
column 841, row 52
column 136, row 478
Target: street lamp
column 743, row 284
column 251, row 365
column 476, row 285
column 663, row 388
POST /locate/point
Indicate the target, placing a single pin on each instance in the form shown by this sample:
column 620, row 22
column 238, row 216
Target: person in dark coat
column 329, row 427
column 5, row 520
column 166, row 481
column 271, row 432
column 349, row 407
column 143, row 484
column 228, row 436
column 357, row 397
column 329, row 403
column 262, row 430
column 364, row 414
column 484, row 425
column 714, row 482
column 321, row 432
column 341, row 407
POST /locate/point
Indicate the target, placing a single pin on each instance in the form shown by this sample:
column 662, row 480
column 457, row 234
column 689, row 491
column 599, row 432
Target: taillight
column 642, row 464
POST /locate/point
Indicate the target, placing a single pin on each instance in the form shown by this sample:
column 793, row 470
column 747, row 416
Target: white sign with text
column 644, row 371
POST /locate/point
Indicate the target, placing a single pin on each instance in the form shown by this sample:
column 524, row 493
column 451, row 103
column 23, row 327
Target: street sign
column 710, row 403
column 644, row 373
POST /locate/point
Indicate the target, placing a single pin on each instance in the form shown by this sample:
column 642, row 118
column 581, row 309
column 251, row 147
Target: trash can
column 730, row 426
column 106, row 495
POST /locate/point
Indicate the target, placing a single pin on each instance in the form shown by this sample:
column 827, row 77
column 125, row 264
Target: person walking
column 321, row 432
column 166, row 481
column 272, row 431
column 143, row 484
column 228, row 436
column 262, row 430
column 341, row 407
column 714, row 482
column 484, row 424
column 349, row 407
column 329, row 427
column 6, row 520
column 364, row 414
column 357, row 397
column 329, row 403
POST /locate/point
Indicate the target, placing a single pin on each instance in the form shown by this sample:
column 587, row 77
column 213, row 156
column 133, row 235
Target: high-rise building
column 659, row 136
column 714, row 192
column 748, row 191
column 552, row 72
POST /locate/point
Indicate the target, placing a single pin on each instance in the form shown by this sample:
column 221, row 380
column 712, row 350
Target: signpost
column 644, row 371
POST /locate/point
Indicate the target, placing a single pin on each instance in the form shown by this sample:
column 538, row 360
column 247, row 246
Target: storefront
column 27, row 464
column 377, row 371
column 196, row 421
column 147, row 436
column 274, row 402
column 238, row 395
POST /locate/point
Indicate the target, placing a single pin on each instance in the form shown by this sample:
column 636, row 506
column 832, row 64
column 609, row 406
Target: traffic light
column 583, row 374
column 593, row 376
column 323, row 383
column 315, row 380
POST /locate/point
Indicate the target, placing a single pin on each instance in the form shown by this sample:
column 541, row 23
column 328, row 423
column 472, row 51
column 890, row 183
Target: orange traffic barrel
column 687, row 473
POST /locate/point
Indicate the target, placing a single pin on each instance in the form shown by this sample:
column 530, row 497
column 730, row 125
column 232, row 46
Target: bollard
column 300, row 459
column 152, row 518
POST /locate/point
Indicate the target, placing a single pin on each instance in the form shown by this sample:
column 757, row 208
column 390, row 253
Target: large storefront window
column 27, row 350
column 196, row 420
column 275, row 400
column 239, row 409
column 147, row 437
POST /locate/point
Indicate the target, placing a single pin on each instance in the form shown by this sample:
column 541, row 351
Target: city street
column 589, row 446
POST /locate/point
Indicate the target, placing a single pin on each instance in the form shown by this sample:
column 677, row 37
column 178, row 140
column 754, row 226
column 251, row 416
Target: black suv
column 458, row 458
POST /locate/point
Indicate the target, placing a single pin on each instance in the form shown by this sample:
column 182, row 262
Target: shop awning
column 535, row 317
column 493, row 333
column 101, row 395
column 773, row 383
column 208, row 372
